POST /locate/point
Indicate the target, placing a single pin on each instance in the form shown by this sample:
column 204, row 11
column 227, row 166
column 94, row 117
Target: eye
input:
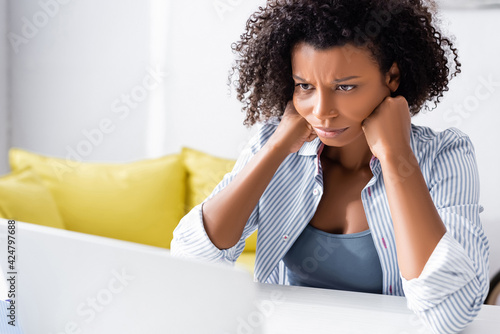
column 346, row 88
column 303, row 86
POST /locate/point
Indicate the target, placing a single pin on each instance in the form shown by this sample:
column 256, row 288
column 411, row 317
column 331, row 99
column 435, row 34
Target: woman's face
column 336, row 89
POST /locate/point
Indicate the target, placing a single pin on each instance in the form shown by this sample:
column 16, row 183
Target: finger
column 311, row 137
column 379, row 106
column 365, row 122
column 290, row 108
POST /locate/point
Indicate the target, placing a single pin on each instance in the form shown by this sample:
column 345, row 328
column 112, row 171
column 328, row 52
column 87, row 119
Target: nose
column 324, row 107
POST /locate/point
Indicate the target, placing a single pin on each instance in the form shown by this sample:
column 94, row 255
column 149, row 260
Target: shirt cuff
column 447, row 270
column 191, row 241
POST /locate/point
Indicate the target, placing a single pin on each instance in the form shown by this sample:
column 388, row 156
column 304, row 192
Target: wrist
column 278, row 147
column 399, row 160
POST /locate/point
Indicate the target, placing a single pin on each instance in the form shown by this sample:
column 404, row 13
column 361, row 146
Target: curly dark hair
column 398, row 31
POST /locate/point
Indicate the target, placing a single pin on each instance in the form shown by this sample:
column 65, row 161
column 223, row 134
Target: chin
column 332, row 142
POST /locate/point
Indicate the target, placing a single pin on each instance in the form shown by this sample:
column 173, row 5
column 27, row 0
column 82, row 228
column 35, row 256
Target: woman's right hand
column 292, row 132
column 226, row 214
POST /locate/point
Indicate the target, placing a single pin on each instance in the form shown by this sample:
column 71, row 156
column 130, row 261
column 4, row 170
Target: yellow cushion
column 247, row 260
column 251, row 243
column 204, row 172
column 141, row 201
column 24, row 197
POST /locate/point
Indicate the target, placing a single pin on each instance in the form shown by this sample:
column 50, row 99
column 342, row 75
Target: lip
column 329, row 132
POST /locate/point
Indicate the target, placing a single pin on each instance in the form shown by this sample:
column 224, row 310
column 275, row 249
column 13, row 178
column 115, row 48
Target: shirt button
column 316, row 192
column 285, row 237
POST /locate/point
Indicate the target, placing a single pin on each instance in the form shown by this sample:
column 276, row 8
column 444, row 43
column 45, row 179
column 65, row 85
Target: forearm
column 225, row 214
column 418, row 227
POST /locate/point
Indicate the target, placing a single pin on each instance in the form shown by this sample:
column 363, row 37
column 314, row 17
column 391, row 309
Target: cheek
column 304, row 106
column 357, row 109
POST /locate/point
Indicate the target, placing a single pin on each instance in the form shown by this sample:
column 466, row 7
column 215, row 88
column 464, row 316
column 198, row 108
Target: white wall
column 4, row 119
column 474, row 107
column 70, row 71
column 3, row 114
column 467, row 3
column 75, row 69
column 203, row 115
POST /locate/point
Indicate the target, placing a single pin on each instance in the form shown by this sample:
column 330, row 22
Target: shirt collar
column 310, row 148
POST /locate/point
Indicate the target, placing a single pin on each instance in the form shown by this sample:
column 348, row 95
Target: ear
column 393, row 77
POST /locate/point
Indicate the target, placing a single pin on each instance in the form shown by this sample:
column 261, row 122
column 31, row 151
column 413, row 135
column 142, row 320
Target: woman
column 345, row 192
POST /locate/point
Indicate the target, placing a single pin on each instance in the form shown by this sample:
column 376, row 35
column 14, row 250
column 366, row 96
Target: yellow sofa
column 141, row 201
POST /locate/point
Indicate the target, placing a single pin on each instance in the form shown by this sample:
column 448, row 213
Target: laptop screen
column 70, row 282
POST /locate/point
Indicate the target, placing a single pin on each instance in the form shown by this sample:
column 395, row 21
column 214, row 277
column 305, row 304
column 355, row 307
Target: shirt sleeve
column 451, row 289
column 190, row 237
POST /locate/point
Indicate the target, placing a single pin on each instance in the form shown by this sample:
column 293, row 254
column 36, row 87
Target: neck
column 354, row 156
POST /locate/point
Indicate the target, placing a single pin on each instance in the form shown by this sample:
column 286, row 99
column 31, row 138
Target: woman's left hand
column 388, row 127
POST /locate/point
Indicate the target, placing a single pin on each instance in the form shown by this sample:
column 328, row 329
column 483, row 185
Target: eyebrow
column 334, row 81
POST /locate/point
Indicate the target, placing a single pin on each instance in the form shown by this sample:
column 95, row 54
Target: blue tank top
column 334, row 261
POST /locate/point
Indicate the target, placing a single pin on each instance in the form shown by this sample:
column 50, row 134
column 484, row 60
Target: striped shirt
column 449, row 292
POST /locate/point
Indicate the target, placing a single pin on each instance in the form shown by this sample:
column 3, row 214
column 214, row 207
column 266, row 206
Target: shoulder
column 447, row 161
column 429, row 142
column 264, row 132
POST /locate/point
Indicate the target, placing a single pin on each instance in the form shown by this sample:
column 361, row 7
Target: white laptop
column 70, row 282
